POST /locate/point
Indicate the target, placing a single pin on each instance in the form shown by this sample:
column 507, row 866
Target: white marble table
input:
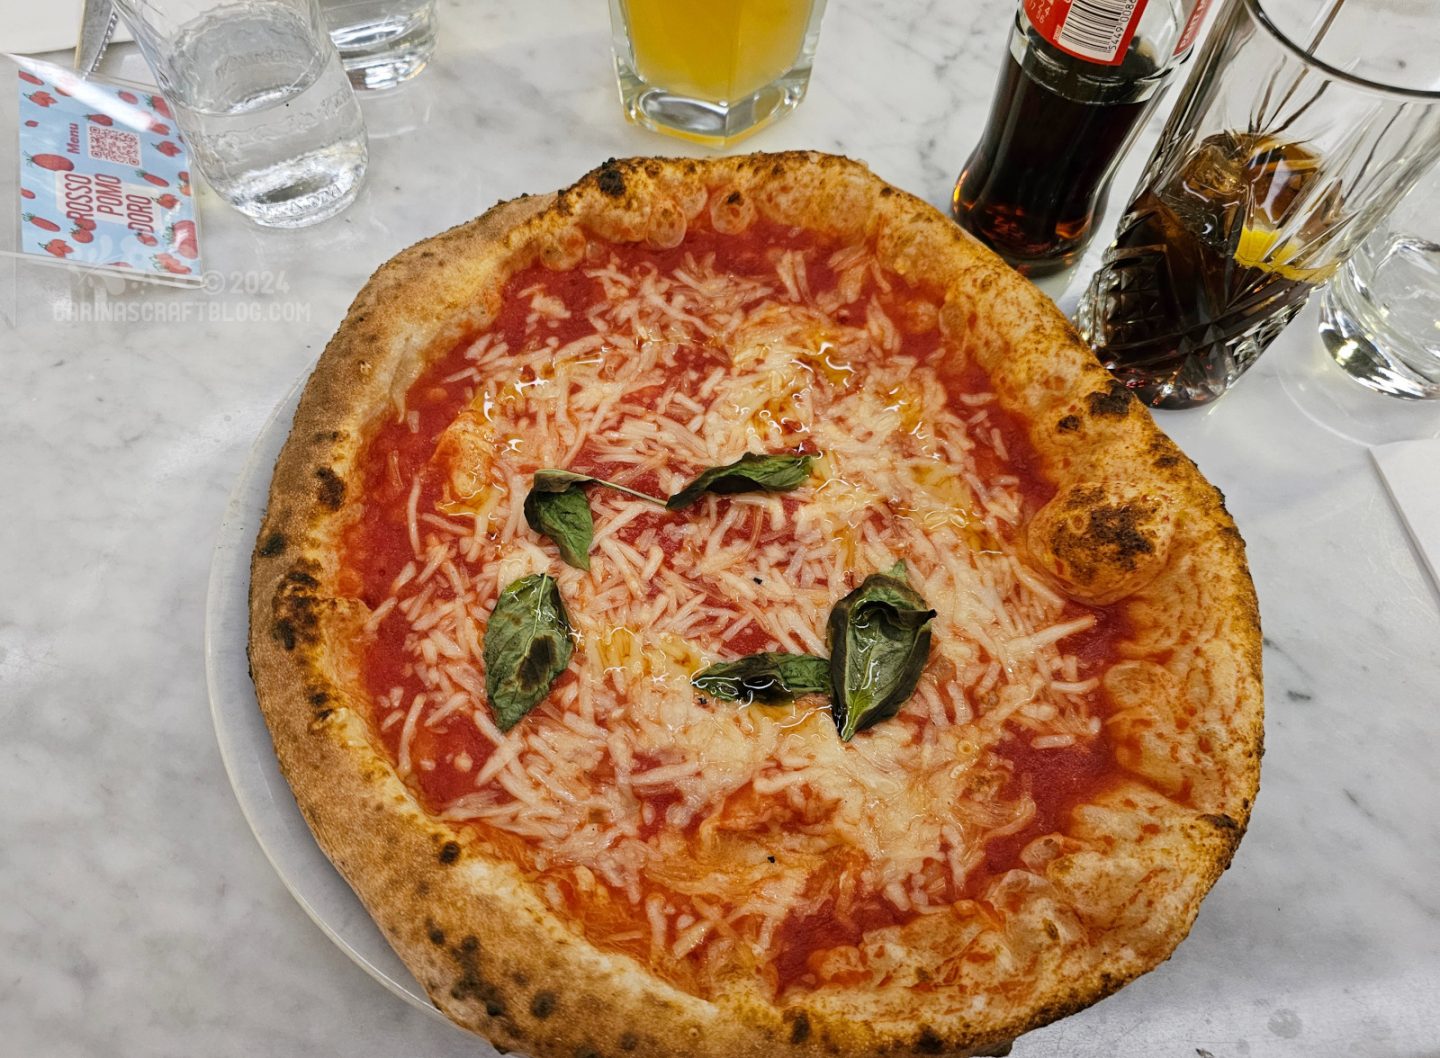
column 138, row 917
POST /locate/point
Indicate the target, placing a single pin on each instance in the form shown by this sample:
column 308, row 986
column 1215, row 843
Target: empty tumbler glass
column 382, row 43
column 1380, row 314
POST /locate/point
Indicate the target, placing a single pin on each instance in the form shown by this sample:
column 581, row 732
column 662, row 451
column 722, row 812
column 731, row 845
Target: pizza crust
column 491, row 955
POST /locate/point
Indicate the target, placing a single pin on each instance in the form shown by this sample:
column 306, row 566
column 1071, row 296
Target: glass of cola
column 1296, row 133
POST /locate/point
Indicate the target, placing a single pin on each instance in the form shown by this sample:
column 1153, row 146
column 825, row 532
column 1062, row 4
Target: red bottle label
column 1097, row 31
column 1192, row 26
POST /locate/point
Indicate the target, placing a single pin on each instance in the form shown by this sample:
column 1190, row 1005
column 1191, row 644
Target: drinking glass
column 1299, row 129
column 382, row 43
column 1380, row 314
column 712, row 71
column 260, row 95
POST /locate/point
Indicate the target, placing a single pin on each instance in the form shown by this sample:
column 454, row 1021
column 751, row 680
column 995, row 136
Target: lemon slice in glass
column 1257, row 250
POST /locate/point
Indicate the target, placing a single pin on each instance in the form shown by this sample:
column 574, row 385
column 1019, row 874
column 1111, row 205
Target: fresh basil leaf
column 560, row 480
column 557, row 507
column 552, row 480
column 879, row 643
column 527, row 645
column 769, row 677
column 564, row 517
column 749, row 473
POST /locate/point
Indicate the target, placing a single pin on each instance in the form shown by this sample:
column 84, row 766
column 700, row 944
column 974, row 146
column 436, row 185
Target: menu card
column 104, row 177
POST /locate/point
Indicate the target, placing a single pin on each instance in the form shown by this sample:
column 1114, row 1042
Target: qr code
column 113, row 145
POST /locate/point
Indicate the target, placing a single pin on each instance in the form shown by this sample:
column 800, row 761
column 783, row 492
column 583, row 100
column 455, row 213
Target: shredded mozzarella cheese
column 625, row 776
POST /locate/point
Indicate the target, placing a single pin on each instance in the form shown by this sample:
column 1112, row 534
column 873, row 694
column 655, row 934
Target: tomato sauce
column 1057, row 780
column 800, row 938
column 1021, row 460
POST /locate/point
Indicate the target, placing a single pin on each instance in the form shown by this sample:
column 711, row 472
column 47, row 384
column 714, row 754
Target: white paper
column 1411, row 473
column 28, row 27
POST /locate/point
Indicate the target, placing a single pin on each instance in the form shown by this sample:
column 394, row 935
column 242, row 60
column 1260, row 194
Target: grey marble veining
column 138, row 917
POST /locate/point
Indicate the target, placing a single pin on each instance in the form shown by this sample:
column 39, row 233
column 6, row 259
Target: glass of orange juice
column 712, row 71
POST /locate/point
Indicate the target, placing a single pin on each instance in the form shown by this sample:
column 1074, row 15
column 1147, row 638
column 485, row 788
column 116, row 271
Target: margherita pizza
column 720, row 610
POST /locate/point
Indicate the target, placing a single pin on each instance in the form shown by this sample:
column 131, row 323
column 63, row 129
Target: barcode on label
column 1096, row 29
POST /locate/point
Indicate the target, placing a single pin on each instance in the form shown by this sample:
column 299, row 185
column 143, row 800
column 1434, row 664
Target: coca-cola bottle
column 1076, row 87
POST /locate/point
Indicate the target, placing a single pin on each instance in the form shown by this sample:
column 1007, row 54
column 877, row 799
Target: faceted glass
column 1275, row 164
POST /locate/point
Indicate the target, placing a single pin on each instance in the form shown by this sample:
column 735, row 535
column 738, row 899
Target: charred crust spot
column 470, row 984
column 929, row 1042
column 543, row 1005
column 449, row 853
column 319, row 697
column 800, row 1029
column 1112, row 534
column 1166, row 461
column 1116, row 529
column 733, row 198
column 272, row 545
column 297, row 619
column 886, row 192
column 324, row 714
column 1113, row 403
column 586, row 1052
column 437, row 936
column 1069, row 424
column 610, row 180
column 629, row 1041
column 1221, row 822
column 332, row 489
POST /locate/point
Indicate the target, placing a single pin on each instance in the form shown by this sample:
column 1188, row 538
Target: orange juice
column 716, row 50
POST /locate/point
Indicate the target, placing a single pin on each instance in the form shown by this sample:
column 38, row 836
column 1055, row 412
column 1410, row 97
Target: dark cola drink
column 1074, row 90
column 1039, row 175
column 1208, row 265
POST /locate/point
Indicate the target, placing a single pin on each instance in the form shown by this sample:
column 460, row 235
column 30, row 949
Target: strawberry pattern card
column 104, row 177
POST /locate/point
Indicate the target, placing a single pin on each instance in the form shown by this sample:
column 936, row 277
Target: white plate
column 245, row 745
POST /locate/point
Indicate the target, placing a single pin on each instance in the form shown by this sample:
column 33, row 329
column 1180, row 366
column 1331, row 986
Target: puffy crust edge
column 491, row 956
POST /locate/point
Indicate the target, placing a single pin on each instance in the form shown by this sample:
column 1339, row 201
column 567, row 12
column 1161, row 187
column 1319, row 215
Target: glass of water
column 1380, row 315
column 382, row 43
column 260, row 95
